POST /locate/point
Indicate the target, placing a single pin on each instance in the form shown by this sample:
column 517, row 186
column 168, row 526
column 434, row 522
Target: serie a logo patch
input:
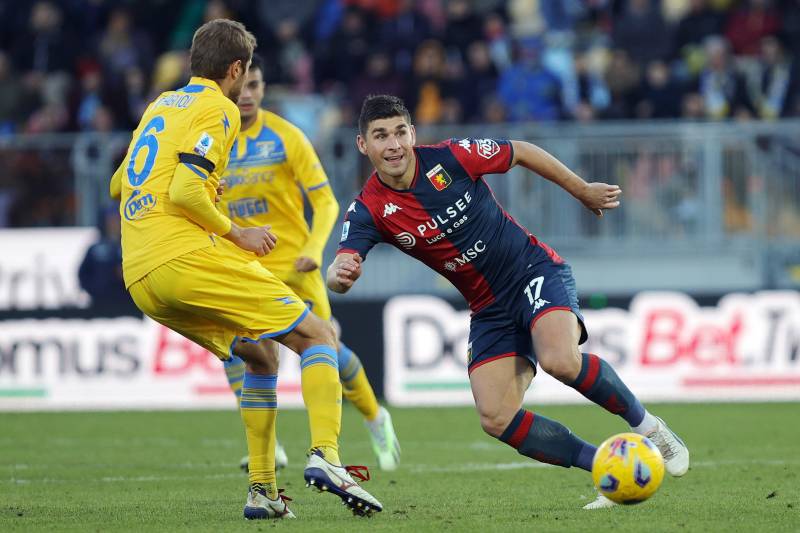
column 439, row 177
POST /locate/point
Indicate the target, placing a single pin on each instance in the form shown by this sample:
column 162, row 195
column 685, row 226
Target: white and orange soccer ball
column 627, row 468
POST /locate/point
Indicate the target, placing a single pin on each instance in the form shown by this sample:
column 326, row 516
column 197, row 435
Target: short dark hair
column 218, row 43
column 257, row 63
column 378, row 106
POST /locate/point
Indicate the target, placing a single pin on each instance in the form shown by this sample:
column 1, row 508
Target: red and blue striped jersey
column 448, row 218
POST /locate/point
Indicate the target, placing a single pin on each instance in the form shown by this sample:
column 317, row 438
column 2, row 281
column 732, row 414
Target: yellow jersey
column 167, row 182
column 272, row 166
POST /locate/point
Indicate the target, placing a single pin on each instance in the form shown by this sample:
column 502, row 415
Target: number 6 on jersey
column 146, row 140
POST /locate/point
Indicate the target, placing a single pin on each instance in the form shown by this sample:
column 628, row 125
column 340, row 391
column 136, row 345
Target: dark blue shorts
column 503, row 329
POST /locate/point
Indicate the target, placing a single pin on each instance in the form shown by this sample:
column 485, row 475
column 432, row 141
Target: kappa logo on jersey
column 203, row 144
column 439, row 178
column 390, row 209
column 466, row 144
column 352, row 207
column 487, row 148
column 472, row 252
column 540, row 302
column 345, row 229
column 406, row 240
column 138, row 205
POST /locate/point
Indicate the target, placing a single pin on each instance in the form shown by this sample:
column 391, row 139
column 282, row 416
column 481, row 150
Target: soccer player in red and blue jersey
column 432, row 203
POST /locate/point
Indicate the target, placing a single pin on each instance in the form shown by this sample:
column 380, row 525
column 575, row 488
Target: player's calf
column 548, row 441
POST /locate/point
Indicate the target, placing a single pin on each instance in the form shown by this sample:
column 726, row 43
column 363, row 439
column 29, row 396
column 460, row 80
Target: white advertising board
column 665, row 347
column 120, row 363
column 39, row 267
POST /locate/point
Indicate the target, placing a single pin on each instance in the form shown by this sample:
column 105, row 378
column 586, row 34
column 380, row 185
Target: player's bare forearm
column 594, row 196
column 343, row 272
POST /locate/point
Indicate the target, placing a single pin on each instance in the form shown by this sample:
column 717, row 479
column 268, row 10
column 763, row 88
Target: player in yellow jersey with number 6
column 273, row 167
column 189, row 267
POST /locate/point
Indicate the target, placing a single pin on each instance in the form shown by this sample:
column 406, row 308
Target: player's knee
column 326, row 334
column 260, row 358
column 564, row 365
column 320, row 332
column 495, row 423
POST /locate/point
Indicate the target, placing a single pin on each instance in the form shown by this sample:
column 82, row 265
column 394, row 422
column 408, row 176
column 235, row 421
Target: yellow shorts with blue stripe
column 217, row 295
column 310, row 287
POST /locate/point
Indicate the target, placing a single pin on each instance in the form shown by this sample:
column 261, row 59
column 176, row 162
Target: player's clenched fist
column 259, row 240
column 344, row 271
column 599, row 196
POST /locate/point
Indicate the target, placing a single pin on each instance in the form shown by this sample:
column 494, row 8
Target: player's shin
column 322, row 394
column 598, row 382
column 355, row 385
column 259, row 408
column 547, row 441
column 234, row 369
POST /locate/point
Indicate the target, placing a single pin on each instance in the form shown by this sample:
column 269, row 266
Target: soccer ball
column 627, row 468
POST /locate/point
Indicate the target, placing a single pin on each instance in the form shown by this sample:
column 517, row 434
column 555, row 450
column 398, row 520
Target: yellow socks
column 234, row 369
column 355, row 385
column 259, row 408
column 322, row 394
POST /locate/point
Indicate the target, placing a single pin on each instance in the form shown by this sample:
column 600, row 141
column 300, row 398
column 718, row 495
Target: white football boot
column 281, row 459
column 672, row 448
column 326, row 477
column 600, row 503
column 384, row 440
column 259, row 506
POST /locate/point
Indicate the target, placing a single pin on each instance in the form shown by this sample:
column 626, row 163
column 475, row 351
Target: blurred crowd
column 92, row 65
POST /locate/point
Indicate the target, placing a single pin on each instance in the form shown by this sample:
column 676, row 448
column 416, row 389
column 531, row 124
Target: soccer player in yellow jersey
column 189, row 267
column 272, row 166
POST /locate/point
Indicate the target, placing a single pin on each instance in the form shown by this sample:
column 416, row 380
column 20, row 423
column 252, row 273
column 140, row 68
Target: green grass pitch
column 178, row 471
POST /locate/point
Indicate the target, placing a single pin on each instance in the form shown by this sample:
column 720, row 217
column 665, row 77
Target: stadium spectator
column 592, row 95
column 642, row 32
column 700, row 21
column 428, row 86
column 400, row 34
column 748, row 25
column 660, row 94
column 378, row 78
column 721, row 86
column 773, row 83
column 15, row 101
column 343, row 56
column 623, row 80
column 462, row 25
column 100, row 272
column 528, row 89
column 122, row 47
column 478, row 83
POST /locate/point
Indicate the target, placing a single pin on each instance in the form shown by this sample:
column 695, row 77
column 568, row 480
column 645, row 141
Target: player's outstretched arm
column 343, row 272
column 594, row 196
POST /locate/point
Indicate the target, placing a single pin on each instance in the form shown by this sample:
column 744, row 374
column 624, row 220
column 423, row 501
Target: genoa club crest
column 439, row 178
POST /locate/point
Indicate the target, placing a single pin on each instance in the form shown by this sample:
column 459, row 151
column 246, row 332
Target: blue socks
column 600, row 384
column 546, row 440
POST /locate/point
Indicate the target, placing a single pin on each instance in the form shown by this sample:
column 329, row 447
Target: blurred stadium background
column 690, row 105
